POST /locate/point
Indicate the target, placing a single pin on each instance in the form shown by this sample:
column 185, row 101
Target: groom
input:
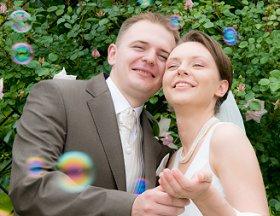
column 92, row 117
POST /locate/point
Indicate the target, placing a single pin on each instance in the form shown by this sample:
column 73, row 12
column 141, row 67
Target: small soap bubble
column 35, row 166
column 230, row 36
column 174, row 22
column 20, row 21
column 78, row 167
column 22, row 53
column 141, row 186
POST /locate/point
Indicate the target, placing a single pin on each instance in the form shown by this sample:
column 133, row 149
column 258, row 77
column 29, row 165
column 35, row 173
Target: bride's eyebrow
column 173, row 59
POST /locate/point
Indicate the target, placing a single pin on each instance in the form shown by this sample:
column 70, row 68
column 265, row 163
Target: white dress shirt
column 133, row 158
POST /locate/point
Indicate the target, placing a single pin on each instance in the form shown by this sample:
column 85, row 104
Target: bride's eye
column 172, row 67
column 198, row 65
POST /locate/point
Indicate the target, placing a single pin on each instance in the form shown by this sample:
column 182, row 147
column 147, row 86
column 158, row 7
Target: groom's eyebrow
column 146, row 43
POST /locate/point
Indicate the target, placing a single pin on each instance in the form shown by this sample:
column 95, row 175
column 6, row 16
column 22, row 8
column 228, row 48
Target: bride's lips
column 184, row 84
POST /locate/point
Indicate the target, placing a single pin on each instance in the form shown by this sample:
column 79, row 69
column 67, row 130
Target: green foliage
column 64, row 33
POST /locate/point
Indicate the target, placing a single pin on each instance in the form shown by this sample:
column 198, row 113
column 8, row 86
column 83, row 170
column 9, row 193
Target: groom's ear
column 112, row 54
column 222, row 88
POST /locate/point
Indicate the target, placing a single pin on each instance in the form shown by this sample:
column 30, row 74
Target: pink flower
column 3, row 8
column 95, row 53
column 241, row 87
column 1, row 88
column 188, row 4
column 256, row 115
column 167, row 139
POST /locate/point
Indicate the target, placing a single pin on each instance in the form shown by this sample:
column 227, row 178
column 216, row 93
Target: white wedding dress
column 200, row 161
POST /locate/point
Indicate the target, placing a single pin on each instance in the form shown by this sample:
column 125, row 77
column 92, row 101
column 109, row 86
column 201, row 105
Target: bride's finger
column 166, row 187
column 176, row 186
column 204, row 177
column 171, row 186
column 183, row 181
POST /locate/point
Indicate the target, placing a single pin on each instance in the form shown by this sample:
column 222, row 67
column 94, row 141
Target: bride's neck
column 189, row 123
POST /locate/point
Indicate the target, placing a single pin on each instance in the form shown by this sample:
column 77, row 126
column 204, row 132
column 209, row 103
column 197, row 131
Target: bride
column 216, row 168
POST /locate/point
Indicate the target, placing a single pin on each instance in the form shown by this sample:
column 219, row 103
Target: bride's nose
column 182, row 71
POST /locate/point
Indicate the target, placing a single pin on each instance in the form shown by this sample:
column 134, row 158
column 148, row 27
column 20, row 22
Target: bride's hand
column 177, row 185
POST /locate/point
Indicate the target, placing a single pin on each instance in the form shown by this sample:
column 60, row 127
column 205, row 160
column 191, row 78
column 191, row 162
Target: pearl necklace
column 203, row 131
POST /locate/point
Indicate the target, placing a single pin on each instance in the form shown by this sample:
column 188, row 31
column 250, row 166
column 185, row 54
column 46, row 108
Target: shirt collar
column 119, row 101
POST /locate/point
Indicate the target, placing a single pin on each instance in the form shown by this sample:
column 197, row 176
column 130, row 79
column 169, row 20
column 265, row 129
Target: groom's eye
column 140, row 48
column 163, row 57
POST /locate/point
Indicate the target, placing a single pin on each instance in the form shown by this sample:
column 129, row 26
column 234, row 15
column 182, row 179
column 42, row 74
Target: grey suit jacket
column 66, row 115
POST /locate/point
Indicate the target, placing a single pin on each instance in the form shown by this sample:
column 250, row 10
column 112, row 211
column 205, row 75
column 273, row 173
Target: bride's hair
column 221, row 59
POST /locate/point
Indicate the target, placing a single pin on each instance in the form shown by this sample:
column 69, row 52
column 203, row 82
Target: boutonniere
column 162, row 133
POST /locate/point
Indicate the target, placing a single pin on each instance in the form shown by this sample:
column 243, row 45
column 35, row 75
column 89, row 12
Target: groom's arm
column 41, row 132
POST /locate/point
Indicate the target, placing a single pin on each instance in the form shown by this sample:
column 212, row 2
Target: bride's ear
column 222, row 88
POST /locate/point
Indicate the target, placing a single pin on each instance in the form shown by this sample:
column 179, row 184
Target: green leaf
column 275, row 73
column 258, row 26
column 53, row 57
column 208, row 25
column 274, row 86
column 67, row 25
column 251, row 40
column 42, row 71
column 255, row 105
column 264, row 59
column 103, row 21
column 59, row 12
column 228, row 50
column 264, row 82
column 60, row 20
column 243, row 44
column 153, row 100
column 8, row 136
column 52, row 8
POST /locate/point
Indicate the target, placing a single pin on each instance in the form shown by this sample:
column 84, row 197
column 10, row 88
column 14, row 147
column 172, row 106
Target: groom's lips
column 144, row 71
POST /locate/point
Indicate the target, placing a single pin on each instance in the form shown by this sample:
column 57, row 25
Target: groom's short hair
column 151, row 17
column 221, row 59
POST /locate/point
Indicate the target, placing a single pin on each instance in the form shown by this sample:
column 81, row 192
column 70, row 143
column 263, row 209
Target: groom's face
column 138, row 60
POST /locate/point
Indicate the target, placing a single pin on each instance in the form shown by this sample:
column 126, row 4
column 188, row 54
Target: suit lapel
column 104, row 117
column 151, row 151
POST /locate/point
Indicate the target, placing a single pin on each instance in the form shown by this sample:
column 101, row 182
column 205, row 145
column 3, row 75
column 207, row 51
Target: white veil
column 229, row 112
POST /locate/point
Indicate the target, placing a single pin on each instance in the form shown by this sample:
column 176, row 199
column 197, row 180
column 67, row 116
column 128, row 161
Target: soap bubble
column 230, row 36
column 22, row 53
column 78, row 167
column 20, row 21
column 174, row 22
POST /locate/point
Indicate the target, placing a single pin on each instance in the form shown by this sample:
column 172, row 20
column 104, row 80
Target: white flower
column 63, row 75
column 163, row 125
column 1, row 88
column 164, row 134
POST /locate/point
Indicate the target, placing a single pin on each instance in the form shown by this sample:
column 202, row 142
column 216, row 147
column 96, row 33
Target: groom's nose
column 149, row 57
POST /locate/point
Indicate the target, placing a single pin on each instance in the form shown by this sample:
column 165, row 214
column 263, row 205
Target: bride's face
column 192, row 76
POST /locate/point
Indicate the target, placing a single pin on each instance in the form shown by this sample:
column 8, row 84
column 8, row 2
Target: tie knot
column 127, row 118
